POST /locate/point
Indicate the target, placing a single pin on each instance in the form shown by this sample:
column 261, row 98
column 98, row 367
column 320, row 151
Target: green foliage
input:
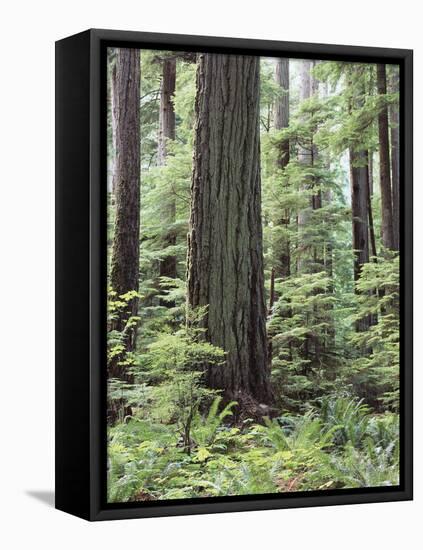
column 205, row 429
column 376, row 373
column 372, row 467
column 334, row 420
column 348, row 418
column 146, row 460
column 117, row 337
column 304, row 354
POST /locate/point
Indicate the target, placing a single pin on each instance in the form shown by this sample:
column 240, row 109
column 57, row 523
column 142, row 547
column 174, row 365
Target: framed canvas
column 233, row 274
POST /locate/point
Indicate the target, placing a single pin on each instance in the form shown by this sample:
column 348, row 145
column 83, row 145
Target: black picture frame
column 81, row 267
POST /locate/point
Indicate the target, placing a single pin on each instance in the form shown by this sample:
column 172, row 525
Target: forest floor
column 342, row 445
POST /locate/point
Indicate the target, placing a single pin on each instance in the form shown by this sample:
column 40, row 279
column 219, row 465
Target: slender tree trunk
column 360, row 201
column 360, row 217
column 372, row 237
column 311, row 257
column 124, row 272
column 282, row 107
column 316, row 204
column 385, row 168
column 372, row 319
column 281, row 118
column 308, row 156
column 167, row 111
column 370, row 210
column 395, row 159
column 371, row 175
column 316, row 200
column 282, row 266
column 359, row 208
column 282, row 245
column 305, row 156
column 225, row 259
column 167, row 130
column 272, row 290
column 327, row 252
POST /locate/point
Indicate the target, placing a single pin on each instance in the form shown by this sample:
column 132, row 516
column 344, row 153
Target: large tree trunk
column 225, row 260
column 124, row 272
column 385, row 168
column 395, row 159
column 167, row 132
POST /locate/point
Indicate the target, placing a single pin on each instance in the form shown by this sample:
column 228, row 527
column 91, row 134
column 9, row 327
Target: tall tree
column 359, row 208
column 124, row 269
column 359, row 182
column 371, row 175
column 281, row 121
column 372, row 236
column 359, row 174
column 166, row 111
column 167, row 131
column 385, row 168
column 305, row 158
column 112, row 152
column 395, row 156
column 225, row 259
column 282, row 107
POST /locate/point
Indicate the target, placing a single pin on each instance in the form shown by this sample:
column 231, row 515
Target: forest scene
column 253, row 275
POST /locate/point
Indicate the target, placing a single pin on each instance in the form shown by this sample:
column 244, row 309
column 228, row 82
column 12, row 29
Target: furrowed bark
column 385, row 169
column 167, row 111
column 359, row 210
column 124, row 271
column 225, row 259
column 282, row 107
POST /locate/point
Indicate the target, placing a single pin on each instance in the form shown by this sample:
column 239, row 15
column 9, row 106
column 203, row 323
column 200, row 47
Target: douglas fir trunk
column 125, row 255
column 225, row 263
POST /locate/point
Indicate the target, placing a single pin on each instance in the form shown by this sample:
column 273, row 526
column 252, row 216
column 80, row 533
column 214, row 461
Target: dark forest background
column 253, row 249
